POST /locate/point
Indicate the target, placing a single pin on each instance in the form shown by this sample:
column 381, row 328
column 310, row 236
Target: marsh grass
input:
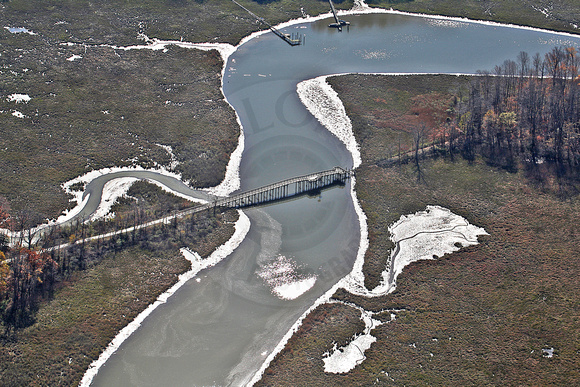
column 120, row 22
column 480, row 316
column 112, row 109
column 91, row 306
column 520, row 291
column 560, row 15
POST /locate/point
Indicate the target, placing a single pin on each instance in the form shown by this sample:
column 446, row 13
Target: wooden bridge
column 270, row 193
column 277, row 191
column 285, row 189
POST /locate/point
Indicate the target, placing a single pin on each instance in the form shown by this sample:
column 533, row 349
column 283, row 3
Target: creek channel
column 219, row 327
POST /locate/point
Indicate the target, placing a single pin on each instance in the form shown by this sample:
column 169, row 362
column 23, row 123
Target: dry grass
column 480, row 316
column 559, row 15
column 87, row 312
column 526, row 284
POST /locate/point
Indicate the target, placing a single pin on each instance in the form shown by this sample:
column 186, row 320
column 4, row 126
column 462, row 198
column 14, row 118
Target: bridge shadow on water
column 311, row 194
column 302, row 185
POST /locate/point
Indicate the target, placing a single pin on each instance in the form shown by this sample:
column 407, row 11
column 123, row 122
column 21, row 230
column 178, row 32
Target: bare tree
column 418, row 138
column 523, row 64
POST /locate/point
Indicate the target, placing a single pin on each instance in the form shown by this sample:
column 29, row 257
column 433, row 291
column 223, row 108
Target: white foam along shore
column 154, row 44
column 342, row 360
column 282, row 343
column 323, row 102
column 231, row 180
column 242, row 227
column 362, row 8
column 428, row 234
column 423, row 235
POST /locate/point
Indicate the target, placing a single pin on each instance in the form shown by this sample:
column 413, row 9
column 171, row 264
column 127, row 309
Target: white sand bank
column 424, row 235
column 324, row 104
column 18, row 98
column 112, row 190
column 242, row 227
column 342, row 360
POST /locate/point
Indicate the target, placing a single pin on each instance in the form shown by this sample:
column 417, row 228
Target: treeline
column 30, row 273
column 524, row 112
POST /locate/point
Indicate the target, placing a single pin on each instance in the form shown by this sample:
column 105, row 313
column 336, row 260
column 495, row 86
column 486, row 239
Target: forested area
column 524, row 112
column 32, row 267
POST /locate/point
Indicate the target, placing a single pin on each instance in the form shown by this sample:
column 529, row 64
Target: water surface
column 218, row 331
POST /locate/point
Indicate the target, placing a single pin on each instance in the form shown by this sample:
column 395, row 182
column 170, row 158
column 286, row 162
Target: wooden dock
column 293, row 40
column 338, row 24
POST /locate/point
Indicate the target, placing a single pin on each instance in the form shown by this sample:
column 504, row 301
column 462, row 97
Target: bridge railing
column 284, row 189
